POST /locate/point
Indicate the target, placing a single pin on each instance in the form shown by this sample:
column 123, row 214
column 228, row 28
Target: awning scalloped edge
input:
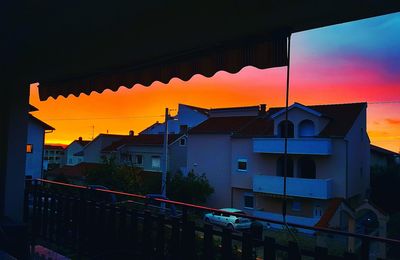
column 262, row 55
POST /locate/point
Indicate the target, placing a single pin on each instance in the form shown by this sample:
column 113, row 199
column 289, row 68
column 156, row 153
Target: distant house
column 70, row 157
column 381, row 157
column 34, row 146
column 187, row 117
column 92, row 151
column 241, row 152
column 53, row 156
column 146, row 151
column 74, row 173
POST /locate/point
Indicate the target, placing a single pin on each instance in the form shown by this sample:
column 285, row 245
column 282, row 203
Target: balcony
column 310, row 146
column 71, row 218
column 298, row 187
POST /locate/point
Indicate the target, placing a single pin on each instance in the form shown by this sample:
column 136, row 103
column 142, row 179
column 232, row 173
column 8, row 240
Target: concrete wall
column 358, row 157
column 70, row 158
column 92, row 152
column 147, row 152
column 327, row 167
column 211, row 154
column 34, row 162
column 186, row 116
column 177, row 157
column 296, row 116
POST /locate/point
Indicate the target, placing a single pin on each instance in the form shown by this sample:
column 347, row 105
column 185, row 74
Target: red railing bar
column 326, row 230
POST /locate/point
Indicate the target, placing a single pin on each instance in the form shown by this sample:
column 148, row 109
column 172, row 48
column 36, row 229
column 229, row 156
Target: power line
column 102, row 118
column 383, row 102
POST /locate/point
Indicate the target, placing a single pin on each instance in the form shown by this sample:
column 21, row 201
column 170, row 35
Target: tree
column 192, row 188
column 385, row 183
column 124, row 178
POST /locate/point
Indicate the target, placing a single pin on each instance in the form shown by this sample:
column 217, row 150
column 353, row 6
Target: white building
column 241, row 152
column 187, row 117
column 70, row 157
column 35, row 145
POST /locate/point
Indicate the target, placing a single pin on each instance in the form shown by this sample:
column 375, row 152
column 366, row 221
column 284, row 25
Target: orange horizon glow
column 353, row 62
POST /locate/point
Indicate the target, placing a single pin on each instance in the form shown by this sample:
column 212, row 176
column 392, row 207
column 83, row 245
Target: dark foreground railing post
column 189, row 240
column 226, row 244
column 134, row 231
column 174, row 250
column 208, row 247
column 247, row 246
column 321, row 253
column 294, row 251
column 269, row 248
column 147, row 235
column 160, row 245
column 365, row 249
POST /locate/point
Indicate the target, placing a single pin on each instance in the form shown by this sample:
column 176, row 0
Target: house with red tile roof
column 92, row 151
column 146, row 151
column 241, row 152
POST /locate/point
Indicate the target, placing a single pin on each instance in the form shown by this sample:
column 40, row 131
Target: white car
column 228, row 220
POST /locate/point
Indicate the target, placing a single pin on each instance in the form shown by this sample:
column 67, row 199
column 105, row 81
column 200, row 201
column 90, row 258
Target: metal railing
column 73, row 219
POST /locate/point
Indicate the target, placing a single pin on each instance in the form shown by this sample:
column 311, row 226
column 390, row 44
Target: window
column 182, row 142
column 306, row 128
column 307, row 168
column 139, row 159
column 155, row 162
column 282, row 129
column 296, row 206
column 242, row 165
column 281, row 167
column 249, row 201
column 29, row 148
column 70, row 161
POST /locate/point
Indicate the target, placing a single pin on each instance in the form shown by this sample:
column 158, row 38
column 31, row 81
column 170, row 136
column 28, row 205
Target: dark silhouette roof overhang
column 73, row 47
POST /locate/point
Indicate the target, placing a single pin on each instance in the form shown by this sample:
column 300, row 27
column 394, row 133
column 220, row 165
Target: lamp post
column 165, row 164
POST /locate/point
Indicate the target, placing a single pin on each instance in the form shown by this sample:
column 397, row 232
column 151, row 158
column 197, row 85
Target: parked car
column 227, row 220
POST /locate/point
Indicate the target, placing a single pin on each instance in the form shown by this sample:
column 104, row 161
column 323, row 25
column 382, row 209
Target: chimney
column 131, row 133
column 263, row 108
column 80, row 138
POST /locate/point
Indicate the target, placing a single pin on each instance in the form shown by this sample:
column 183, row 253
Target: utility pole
column 165, row 161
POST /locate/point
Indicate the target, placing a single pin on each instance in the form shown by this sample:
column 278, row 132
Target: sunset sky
column 352, row 62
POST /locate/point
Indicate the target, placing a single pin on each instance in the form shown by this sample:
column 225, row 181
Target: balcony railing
column 63, row 215
column 298, row 187
column 308, row 146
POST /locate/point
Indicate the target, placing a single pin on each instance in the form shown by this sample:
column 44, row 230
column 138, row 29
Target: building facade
column 241, row 152
column 187, row 117
column 34, row 147
column 147, row 152
column 71, row 152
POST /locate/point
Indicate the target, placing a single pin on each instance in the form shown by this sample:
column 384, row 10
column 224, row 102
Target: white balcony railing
column 312, row 146
column 298, row 187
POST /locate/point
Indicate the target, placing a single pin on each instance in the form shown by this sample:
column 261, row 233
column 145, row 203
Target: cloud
column 392, row 121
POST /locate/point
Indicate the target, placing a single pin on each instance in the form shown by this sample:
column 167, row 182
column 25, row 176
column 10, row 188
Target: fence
column 67, row 217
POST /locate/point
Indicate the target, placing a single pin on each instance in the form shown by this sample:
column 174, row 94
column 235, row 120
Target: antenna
column 92, row 126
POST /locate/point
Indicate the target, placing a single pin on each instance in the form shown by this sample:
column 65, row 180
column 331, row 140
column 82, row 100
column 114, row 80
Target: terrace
column 71, row 220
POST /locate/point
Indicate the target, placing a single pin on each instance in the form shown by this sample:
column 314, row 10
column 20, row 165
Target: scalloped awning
column 73, row 47
column 260, row 54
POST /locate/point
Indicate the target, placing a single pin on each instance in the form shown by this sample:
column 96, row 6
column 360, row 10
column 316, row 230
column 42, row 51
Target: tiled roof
column 54, row 146
column 40, row 122
column 79, row 170
column 329, row 212
column 199, row 109
column 222, row 125
column 382, row 150
column 141, row 140
column 341, row 116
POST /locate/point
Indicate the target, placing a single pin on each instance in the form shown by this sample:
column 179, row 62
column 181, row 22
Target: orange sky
column 327, row 66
